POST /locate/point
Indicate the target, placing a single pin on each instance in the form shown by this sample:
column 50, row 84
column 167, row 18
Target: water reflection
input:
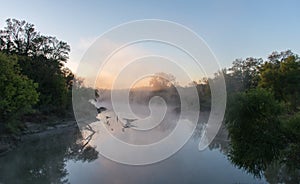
column 68, row 157
column 221, row 141
column 274, row 172
column 42, row 159
column 186, row 166
column 280, row 173
column 259, row 166
column 262, row 151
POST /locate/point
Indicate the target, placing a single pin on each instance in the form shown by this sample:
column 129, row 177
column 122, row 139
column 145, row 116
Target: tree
column 53, row 87
column 290, row 74
column 243, row 75
column 17, row 94
column 291, row 127
column 20, row 37
column 41, row 59
column 162, row 80
column 262, row 133
column 281, row 74
column 252, row 119
column 69, row 76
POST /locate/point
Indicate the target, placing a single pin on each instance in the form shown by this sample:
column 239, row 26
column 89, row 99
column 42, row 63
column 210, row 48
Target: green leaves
column 281, row 74
column 291, row 127
column 252, row 120
column 41, row 58
column 18, row 93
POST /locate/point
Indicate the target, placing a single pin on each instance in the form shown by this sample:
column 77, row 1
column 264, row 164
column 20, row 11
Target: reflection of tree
column 220, row 142
column 254, row 130
column 82, row 151
column 280, row 173
column 89, row 137
column 258, row 138
column 43, row 160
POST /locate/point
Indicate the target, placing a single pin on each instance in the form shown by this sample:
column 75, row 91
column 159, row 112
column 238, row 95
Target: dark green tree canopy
column 41, row 58
column 17, row 94
column 281, row 74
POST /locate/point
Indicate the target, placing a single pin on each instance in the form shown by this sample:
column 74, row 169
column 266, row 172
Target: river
column 62, row 157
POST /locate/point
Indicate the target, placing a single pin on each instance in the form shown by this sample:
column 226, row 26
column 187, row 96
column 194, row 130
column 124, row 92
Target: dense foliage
column 17, row 94
column 39, row 61
column 262, row 117
column 254, row 129
column 263, row 113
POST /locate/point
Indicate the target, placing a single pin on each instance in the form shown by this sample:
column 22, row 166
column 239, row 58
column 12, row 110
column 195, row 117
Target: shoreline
column 10, row 142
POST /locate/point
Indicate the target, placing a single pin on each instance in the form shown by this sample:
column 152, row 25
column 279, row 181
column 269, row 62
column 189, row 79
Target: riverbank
column 9, row 142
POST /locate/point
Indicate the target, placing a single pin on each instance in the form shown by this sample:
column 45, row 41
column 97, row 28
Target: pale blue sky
column 232, row 29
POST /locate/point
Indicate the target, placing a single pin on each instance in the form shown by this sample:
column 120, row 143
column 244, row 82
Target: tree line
column 263, row 117
column 262, row 114
column 35, row 84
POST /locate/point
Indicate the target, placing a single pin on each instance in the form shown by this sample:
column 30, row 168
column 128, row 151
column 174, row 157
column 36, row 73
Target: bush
column 252, row 119
column 292, row 137
column 17, row 95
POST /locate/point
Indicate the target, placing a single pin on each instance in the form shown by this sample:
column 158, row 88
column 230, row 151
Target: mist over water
column 57, row 157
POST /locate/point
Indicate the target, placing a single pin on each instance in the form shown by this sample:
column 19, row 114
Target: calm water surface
column 63, row 158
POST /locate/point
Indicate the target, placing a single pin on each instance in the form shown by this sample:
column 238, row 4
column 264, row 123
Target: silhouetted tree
column 243, row 75
column 20, row 37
